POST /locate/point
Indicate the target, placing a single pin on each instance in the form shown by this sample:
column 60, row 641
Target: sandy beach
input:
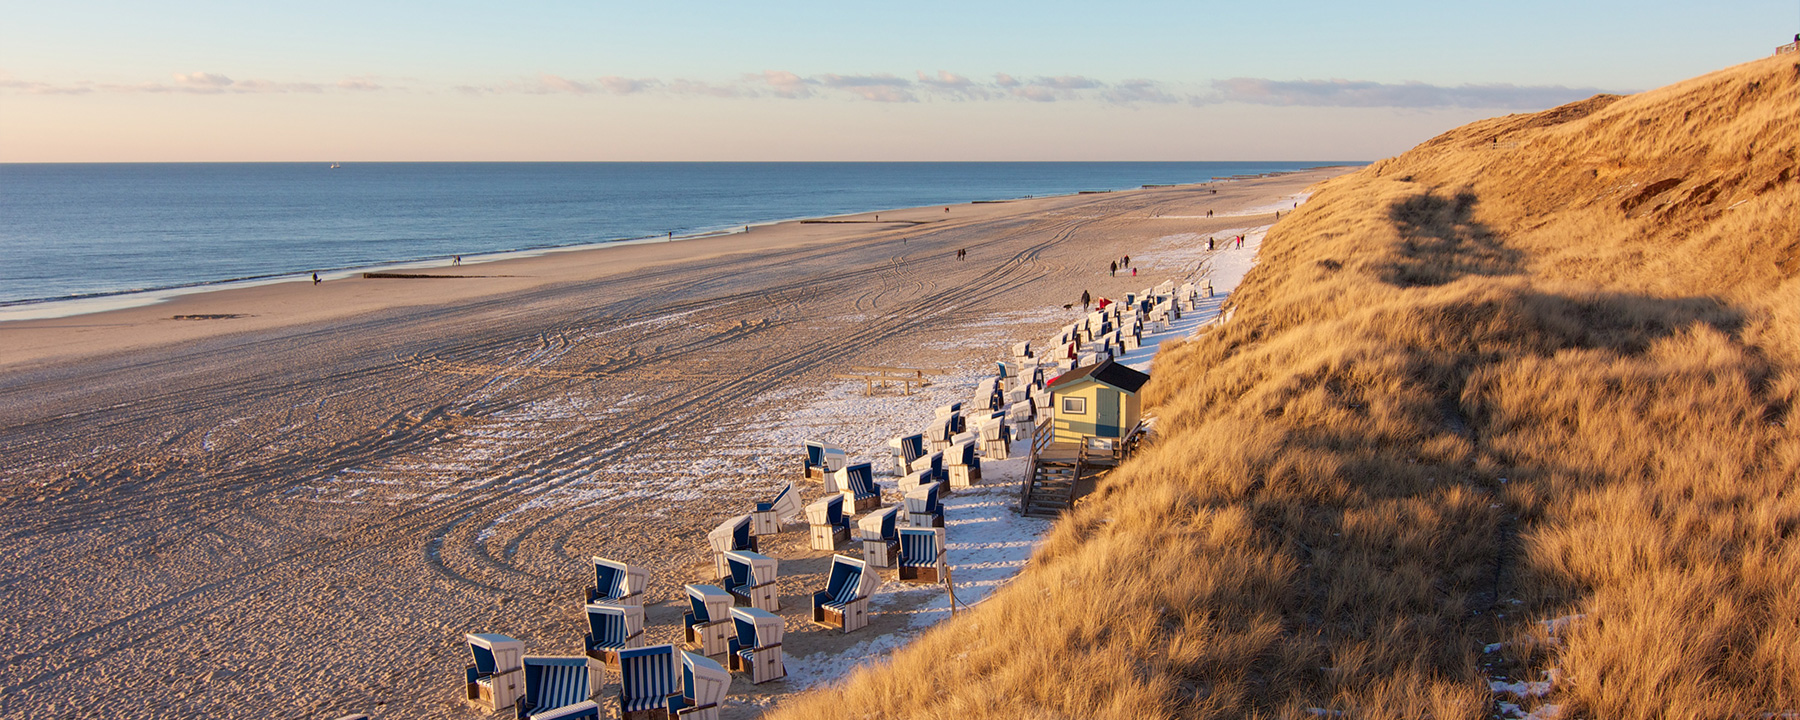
column 294, row 499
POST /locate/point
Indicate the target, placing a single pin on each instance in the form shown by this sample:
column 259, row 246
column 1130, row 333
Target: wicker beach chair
column 707, row 624
column 560, row 688
column 618, row 583
column 880, row 538
column 497, row 676
column 844, row 603
column 769, row 516
column 751, row 580
column 612, row 628
column 923, row 508
column 704, row 684
column 922, row 555
column 757, row 648
column 859, row 489
column 649, row 678
column 733, row 534
column 823, row 458
column 905, row 450
column 830, row 526
column 963, row 466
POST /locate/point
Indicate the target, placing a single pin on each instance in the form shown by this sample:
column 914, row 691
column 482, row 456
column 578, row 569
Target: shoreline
column 289, row 301
column 89, row 303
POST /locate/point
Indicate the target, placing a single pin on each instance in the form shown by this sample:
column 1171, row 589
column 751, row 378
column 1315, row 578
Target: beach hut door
column 1106, row 414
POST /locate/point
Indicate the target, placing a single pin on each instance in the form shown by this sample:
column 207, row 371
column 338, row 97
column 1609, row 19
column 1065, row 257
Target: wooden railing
column 1041, row 434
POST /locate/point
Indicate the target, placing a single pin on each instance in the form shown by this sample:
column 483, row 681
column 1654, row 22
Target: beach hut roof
column 1105, row 371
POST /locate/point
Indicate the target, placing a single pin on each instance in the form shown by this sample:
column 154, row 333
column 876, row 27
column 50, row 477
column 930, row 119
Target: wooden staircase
column 1050, row 491
column 1055, row 470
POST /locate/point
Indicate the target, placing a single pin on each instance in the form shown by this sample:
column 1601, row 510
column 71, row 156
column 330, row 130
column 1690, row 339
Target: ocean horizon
column 82, row 237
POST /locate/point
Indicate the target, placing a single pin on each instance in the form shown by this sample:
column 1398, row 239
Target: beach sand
column 296, row 502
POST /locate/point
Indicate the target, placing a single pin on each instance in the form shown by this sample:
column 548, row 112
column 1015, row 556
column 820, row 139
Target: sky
column 805, row 81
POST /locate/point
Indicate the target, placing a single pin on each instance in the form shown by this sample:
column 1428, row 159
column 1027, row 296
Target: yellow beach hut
column 1099, row 400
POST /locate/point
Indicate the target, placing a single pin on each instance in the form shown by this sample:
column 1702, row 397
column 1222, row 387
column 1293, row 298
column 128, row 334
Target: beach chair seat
column 823, row 458
column 880, row 536
column 751, row 580
column 830, row 526
column 923, row 508
column 612, row 628
column 988, row 395
column 557, row 687
column 1022, row 349
column 860, row 492
column 769, row 516
column 757, row 648
column 844, row 603
column 704, row 684
column 648, row 678
column 707, row 624
column 497, row 676
column 963, row 466
column 938, row 431
column 618, row 583
column 912, row 481
column 733, row 534
column 996, row 440
column 922, row 555
column 932, row 464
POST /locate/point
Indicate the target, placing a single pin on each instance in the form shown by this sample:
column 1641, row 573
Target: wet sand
column 298, row 505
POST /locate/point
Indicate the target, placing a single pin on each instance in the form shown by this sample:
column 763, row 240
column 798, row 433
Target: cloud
column 555, row 83
column 626, row 86
column 953, row 85
column 880, row 87
column 203, row 81
column 1068, row 82
column 1035, row 93
column 680, row 86
column 1004, row 80
column 361, row 84
column 1137, row 91
column 786, row 84
column 1362, row 93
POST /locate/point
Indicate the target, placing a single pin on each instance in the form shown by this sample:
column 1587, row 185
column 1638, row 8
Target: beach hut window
column 1075, row 405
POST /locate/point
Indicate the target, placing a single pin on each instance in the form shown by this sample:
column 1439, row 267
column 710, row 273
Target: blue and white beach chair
column 612, row 628
column 844, row 603
column 1022, row 349
column 922, row 555
column 923, row 508
column 880, row 539
column 860, row 492
column 618, row 583
column 830, row 526
column 497, row 677
column 704, row 684
column 757, row 648
column 733, row 534
column 708, row 620
column 988, row 395
column 648, row 679
column 913, row 480
column 822, row 459
column 906, row 450
column 751, row 580
column 560, row 687
column 963, row 466
column 769, row 516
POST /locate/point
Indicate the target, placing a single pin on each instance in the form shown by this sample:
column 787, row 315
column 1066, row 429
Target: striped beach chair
column 757, row 648
column 963, row 466
column 830, row 526
column 844, row 603
column 905, row 450
column 922, row 555
column 923, row 508
column 612, row 628
column 618, row 583
column 704, row 684
column 988, row 396
column 1021, row 349
column 648, row 678
column 751, row 580
column 733, row 534
column 560, row 687
column 494, row 681
column 995, row 440
column 708, row 620
column 860, row 492
column 769, row 516
column 938, row 431
column 822, row 459
column 880, row 540
column 912, row 481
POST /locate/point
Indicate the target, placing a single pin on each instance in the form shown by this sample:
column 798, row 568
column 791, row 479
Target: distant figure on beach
column 1240, row 241
column 1134, row 272
column 1127, row 262
column 1085, row 299
column 946, row 209
column 1209, row 243
column 1215, row 192
column 1209, row 213
column 315, row 278
column 1114, row 270
column 455, row 259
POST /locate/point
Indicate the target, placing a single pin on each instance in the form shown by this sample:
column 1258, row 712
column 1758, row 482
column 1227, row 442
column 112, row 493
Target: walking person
column 315, row 278
column 1085, row 299
column 1127, row 262
column 1113, row 271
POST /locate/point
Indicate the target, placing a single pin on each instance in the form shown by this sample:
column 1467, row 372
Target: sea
column 83, row 237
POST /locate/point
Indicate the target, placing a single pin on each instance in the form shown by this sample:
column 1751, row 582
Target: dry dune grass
column 1534, row 382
